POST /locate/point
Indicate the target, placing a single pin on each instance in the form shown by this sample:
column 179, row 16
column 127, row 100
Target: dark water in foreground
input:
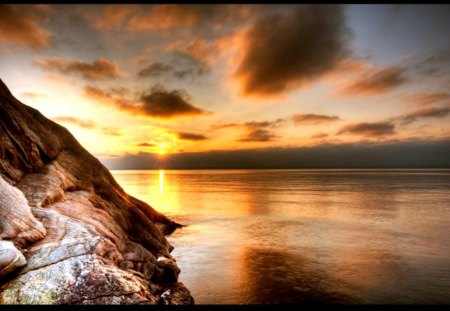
column 294, row 236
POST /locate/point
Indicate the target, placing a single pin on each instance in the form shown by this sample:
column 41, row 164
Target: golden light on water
column 161, row 182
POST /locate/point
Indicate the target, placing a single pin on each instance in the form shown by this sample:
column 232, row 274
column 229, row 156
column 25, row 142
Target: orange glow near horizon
column 161, row 182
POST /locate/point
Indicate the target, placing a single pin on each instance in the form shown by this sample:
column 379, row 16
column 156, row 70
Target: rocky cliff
column 69, row 234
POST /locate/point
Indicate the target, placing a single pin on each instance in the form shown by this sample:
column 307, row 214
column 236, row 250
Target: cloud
column 313, row 118
column 256, row 131
column 196, row 18
column 112, row 16
column 425, row 99
column 183, row 68
column 146, row 145
column 190, row 136
column 258, row 134
column 157, row 103
column 374, row 82
column 87, row 124
column 320, row 135
column 250, row 124
column 401, row 154
column 425, row 113
column 189, row 66
column 111, row 131
column 99, row 69
column 33, row 95
column 368, row 129
column 19, row 25
column 433, row 65
column 286, row 50
column 154, row 70
column 166, row 104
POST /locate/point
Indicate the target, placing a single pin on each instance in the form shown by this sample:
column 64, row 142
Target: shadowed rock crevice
column 68, row 232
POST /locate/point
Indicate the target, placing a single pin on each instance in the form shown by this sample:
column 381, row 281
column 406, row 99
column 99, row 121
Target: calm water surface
column 295, row 236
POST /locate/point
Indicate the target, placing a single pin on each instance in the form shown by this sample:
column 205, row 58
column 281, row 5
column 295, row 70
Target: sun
column 161, row 151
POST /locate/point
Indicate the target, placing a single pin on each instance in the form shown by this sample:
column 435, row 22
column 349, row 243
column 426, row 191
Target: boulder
column 69, row 234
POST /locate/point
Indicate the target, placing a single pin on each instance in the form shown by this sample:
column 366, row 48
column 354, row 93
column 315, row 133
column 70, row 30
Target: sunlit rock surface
column 68, row 232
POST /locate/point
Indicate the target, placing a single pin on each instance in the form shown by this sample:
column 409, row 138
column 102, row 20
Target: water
column 306, row 236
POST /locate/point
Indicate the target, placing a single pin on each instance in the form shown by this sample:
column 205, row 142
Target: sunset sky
column 130, row 81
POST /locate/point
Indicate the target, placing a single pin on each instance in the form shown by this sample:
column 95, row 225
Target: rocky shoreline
column 69, row 234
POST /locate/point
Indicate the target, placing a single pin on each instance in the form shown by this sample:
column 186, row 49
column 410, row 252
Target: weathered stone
column 10, row 258
column 166, row 271
column 176, row 294
column 84, row 240
column 17, row 222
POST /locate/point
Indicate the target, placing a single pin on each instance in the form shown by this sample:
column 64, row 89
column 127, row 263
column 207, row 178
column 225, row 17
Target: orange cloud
column 195, row 16
column 374, row 82
column 87, row 124
column 256, row 131
column 21, row 27
column 425, row 99
column 313, row 118
column 99, row 69
column 112, row 16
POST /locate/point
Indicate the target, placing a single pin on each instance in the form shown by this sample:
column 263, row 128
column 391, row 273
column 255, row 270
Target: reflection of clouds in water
column 306, row 236
column 272, row 276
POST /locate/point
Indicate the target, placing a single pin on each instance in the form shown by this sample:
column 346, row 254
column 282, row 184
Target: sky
column 259, row 84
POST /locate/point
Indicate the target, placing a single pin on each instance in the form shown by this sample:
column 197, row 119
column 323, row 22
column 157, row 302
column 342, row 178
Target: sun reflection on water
column 161, row 182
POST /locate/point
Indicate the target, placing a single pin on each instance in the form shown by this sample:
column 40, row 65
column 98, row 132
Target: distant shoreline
column 286, row 169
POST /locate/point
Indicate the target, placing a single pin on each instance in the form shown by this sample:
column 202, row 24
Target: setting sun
column 224, row 154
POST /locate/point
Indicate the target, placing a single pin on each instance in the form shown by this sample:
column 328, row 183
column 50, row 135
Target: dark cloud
column 286, row 50
column 99, row 69
column 157, row 103
column 376, row 82
column 406, row 154
column 190, row 136
column 189, row 66
column 313, row 118
column 368, row 129
column 87, row 124
column 250, row 124
column 320, row 135
column 166, row 104
column 111, row 131
column 146, row 145
column 426, row 113
column 186, row 68
column 255, row 130
column 433, row 65
column 258, row 134
column 20, row 26
column 425, row 99
column 154, row 70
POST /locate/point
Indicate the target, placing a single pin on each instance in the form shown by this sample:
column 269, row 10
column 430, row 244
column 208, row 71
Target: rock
column 17, row 222
column 166, row 271
column 84, row 240
column 176, row 294
column 10, row 258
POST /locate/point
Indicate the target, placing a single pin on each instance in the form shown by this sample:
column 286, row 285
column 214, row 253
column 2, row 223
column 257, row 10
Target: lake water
column 306, row 236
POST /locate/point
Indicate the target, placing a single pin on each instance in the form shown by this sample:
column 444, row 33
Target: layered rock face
column 69, row 234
